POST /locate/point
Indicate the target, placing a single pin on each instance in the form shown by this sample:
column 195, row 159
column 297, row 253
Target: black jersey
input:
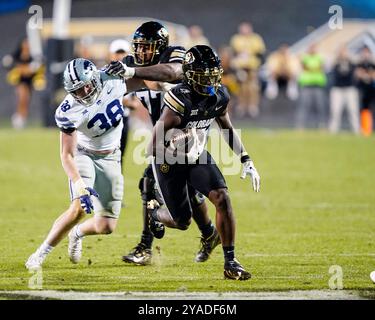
column 151, row 99
column 196, row 111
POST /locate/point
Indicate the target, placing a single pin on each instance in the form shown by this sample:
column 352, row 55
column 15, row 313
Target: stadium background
column 277, row 22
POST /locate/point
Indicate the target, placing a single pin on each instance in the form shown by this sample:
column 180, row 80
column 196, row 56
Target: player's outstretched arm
column 165, row 72
column 68, row 145
column 235, row 143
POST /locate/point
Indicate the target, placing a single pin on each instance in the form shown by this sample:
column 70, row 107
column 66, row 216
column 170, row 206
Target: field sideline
column 315, row 210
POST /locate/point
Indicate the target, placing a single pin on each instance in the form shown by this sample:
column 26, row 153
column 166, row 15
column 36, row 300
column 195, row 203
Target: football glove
column 85, row 194
column 193, row 155
column 248, row 169
column 196, row 149
column 119, row 69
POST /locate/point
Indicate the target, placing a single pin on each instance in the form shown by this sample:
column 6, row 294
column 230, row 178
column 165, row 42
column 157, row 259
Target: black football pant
column 174, row 180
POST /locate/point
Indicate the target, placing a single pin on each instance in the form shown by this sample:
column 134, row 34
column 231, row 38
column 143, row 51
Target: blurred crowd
column 347, row 84
column 253, row 74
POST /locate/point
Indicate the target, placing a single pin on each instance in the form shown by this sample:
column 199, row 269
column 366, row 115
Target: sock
column 78, row 232
column 207, row 230
column 147, row 239
column 45, row 248
column 228, row 253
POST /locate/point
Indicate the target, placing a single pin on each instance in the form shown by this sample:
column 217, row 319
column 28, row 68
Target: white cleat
column 35, row 261
column 75, row 247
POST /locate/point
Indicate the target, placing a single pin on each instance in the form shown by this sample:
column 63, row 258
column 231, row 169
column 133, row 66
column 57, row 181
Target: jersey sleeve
column 173, row 102
column 118, row 82
column 121, row 87
column 173, row 55
column 66, row 119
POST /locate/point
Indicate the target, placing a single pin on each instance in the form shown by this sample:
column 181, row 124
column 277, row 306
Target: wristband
column 130, row 72
column 244, row 156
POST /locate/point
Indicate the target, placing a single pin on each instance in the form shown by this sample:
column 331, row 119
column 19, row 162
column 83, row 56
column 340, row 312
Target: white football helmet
column 82, row 81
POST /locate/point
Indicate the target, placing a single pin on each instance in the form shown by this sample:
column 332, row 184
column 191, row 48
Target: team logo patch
column 183, row 90
column 163, row 33
column 164, row 168
column 189, row 58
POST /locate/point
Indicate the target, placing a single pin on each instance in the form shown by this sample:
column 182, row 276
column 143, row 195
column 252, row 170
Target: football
column 182, row 137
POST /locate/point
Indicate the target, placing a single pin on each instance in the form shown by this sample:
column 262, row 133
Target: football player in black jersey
column 151, row 47
column 194, row 105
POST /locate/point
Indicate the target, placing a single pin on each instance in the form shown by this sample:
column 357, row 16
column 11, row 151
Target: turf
column 316, row 209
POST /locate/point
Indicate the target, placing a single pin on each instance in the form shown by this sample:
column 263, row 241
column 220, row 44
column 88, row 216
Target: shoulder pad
column 173, row 54
column 173, row 100
column 225, row 92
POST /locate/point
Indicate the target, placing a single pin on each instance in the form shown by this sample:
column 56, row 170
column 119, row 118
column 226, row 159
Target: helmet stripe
column 70, row 73
column 74, row 69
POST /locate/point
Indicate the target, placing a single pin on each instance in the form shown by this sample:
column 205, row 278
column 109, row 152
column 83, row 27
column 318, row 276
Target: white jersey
column 98, row 126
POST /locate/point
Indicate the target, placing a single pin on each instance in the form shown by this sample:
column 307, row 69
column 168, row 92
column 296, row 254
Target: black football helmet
column 202, row 69
column 149, row 42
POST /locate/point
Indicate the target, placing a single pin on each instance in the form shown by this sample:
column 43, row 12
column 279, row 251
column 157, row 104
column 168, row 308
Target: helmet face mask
column 82, row 81
column 205, row 83
column 145, row 51
column 202, row 70
column 85, row 95
column 149, row 42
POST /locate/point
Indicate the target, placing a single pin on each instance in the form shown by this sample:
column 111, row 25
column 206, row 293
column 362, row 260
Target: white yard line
column 266, row 255
column 277, row 295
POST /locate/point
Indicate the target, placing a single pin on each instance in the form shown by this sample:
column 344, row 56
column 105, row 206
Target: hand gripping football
column 184, row 137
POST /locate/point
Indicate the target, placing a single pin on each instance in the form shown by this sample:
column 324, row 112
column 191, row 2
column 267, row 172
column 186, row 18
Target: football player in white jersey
column 90, row 120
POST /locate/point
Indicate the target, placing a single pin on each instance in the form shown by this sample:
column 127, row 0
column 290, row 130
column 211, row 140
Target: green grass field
column 316, row 209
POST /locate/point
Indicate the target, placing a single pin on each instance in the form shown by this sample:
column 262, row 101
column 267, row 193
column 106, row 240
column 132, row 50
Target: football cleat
column 75, row 246
column 139, row 255
column 35, row 261
column 156, row 227
column 207, row 246
column 234, row 271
